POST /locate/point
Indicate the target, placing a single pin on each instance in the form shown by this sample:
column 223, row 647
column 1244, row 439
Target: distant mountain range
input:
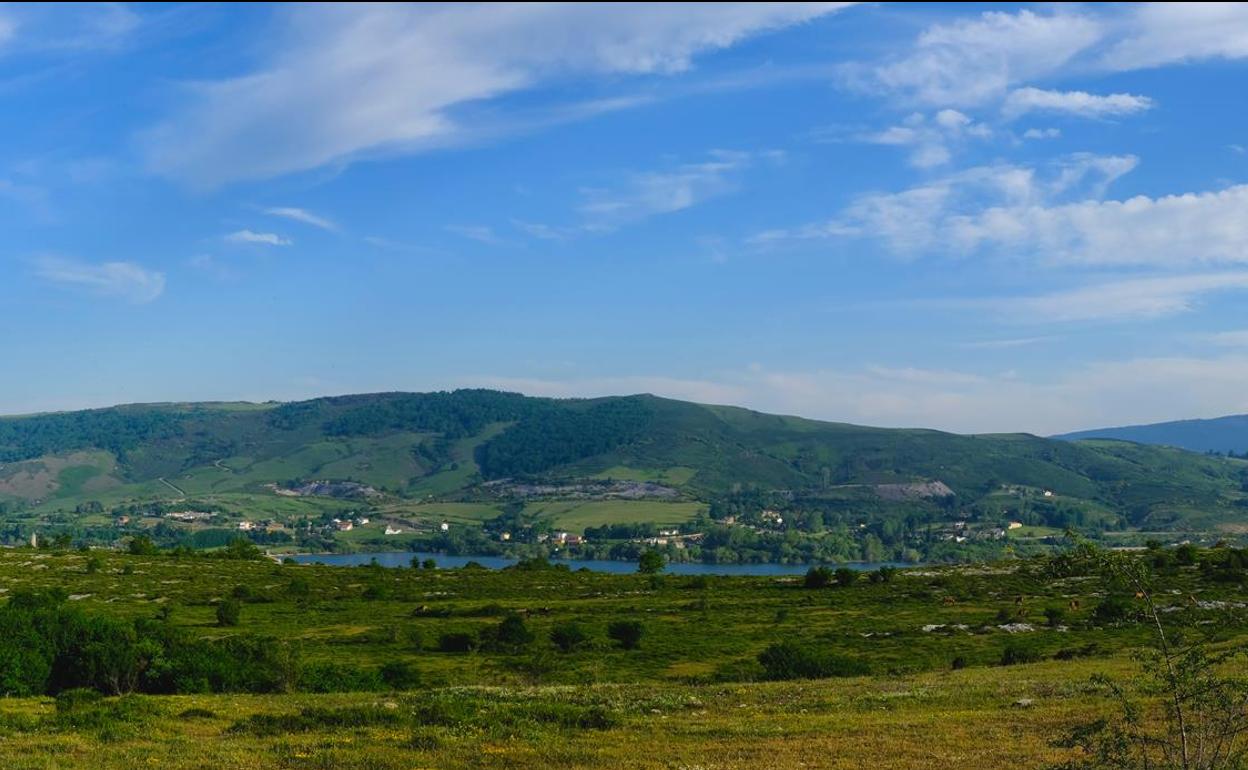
column 1222, row 434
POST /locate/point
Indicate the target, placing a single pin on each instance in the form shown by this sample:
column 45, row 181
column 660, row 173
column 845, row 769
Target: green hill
column 409, row 456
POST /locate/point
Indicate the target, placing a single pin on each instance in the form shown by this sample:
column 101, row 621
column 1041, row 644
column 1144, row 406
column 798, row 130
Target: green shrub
column 845, row 577
column 792, row 660
column 1014, row 654
column 457, row 641
column 627, row 633
column 400, row 675
column 228, row 612
column 818, row 577
column 568, row 636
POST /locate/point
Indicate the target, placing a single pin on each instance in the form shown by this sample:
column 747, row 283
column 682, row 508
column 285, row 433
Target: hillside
column 487, row 461
column 1224, row 435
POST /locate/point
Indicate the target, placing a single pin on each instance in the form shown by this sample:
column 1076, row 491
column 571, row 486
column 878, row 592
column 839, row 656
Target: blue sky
column 976, row 218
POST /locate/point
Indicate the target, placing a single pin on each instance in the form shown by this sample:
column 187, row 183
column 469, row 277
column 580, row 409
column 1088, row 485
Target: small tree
column 1197, row 714
column 626, row 632
column 846, row 577
column 142, row 545
column 512, row 633
column 228, row 612
column 651, row 563
column 429, row 564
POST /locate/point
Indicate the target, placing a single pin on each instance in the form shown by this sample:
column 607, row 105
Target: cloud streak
column 259, row 239
column 348, row 82
column 302, row 215
column 121, row 280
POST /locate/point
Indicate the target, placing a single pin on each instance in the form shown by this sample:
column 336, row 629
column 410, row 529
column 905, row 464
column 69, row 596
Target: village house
column 393, row 530
column 1016, row 525
column 246, row 526
column 445, row 526
column 346, row 526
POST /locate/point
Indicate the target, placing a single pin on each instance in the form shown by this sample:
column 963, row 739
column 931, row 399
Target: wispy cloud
column 1081, row 103
column 667, row 191
column 1170, row 33
column 302, row 215
column 345, row 82
column 122, row 280
column 1237, row 338
column 262, row 239
column 479, row 233
column 1129, row 299
column 974, row 61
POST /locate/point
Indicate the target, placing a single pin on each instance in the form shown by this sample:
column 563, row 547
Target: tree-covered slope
column 451, row 442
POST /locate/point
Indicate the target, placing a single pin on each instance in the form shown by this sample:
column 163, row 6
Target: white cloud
column 354, row 80
column 263, row 239
column 1129, row 299
column 123, row 280
column 931, row 139
column 1024, row 100
column 1056, row 217
column 480, row 233
column 1147, row 389
column 1042, row 133
column 664, row 192
column 1169, row 33
column 973, row 61
column 302, row 215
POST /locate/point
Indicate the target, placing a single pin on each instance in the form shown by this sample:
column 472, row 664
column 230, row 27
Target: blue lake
column 404, row 559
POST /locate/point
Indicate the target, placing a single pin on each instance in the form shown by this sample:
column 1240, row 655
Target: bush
column 1113, row 609
column 1014, row 654
column 336, row 677
column 568, row 636
column 399, row 675
column 228, row 612
column 627, row 633
column 1055, row 616
column 509, row 635
column 883, row 575
column 457, row 641
column 959, row 662
column 818, row 577
column 845, row 577
column 791, row 660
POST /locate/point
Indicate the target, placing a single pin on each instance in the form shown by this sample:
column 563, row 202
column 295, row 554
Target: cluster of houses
column 961, row 531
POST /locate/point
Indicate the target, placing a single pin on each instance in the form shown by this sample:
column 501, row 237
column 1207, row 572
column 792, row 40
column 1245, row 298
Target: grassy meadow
column 935, row 641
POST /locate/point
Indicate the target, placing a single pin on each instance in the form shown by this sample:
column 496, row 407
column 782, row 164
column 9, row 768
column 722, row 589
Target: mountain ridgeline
column 1223, row 435
column 449, row 445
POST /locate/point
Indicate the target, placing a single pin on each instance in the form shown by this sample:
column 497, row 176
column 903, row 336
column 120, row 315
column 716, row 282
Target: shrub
column 1114, row 609
column 1014, row 654
column 509, row 635
column 568, row 636
column 818, row 577
column 457, row 641
column 228, row 612
column 845, row 577
column 883, row 575
column 400, row 675
column 958, row 663
column 336, row 677
column 1055, row 616
column 792, row 660
column 627, row 633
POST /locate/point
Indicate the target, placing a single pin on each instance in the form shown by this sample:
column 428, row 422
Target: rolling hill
column 1223, row 435
column 412, row 455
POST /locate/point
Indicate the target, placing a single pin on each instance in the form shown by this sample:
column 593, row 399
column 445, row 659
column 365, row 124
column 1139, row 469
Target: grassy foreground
column 958, row 719
column 970, row 667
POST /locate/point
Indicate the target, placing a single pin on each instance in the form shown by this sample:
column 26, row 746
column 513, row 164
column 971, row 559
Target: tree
column 512, row 633
column 651, row 563
column 228, row 612
column 142, row 545
column 626, row 632
column 846, row 577
column 1193, row 715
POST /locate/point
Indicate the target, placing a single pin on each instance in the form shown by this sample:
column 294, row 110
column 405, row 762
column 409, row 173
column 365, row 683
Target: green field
column 693, row 691
column 575, row 516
